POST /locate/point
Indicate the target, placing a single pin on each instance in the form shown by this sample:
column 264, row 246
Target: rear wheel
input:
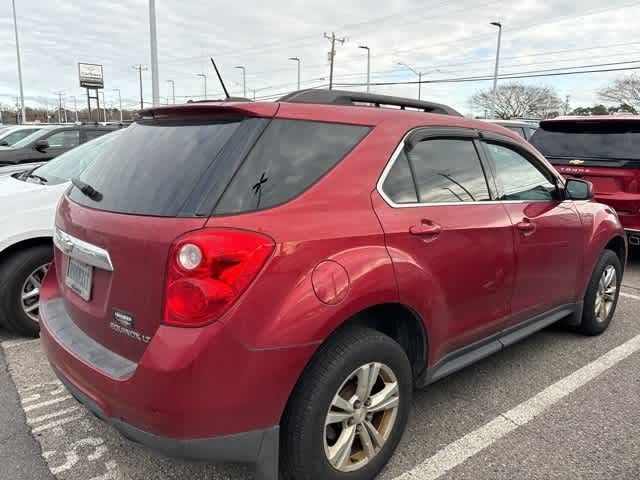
column 21, row 276
column 349, row 410
column 602, row 294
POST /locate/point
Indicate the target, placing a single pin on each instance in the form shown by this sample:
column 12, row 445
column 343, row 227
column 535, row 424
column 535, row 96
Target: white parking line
column 49, row 416
column 628, row 295
column 17, row 343
column 57, row 423
column 47, row 403
column 465, row 447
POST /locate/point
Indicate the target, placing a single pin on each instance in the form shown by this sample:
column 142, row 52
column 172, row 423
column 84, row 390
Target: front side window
column 64, row 139
column 517, row 178
column 16, row 136
column 448, row 170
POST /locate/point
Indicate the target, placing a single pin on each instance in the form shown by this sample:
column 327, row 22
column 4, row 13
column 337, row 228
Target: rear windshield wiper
column 87, row 189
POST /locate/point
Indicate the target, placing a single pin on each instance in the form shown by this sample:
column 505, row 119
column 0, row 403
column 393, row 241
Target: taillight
column 208, row 270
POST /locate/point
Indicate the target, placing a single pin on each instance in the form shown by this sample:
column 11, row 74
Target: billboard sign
column 91, row 75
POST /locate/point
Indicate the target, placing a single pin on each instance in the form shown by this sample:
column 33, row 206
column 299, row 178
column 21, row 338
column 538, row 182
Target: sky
column 443, row 39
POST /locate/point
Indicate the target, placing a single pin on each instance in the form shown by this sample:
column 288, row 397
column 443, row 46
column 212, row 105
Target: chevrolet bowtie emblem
column 576, row 162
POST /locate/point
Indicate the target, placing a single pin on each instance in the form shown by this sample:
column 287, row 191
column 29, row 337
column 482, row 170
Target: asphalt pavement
column 557, row 405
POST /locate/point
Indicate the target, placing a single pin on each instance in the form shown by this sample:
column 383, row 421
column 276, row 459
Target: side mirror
column 41, row 145
column 4, row 143
column 578, row 189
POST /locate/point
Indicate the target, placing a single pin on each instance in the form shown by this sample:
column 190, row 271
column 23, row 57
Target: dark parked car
column 267, row 282
column 524, row 129
column 49, row 142
column 606, row 152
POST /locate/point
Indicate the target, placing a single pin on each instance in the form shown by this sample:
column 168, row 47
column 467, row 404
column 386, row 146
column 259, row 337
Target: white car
column 27, row 209
column 13, row 134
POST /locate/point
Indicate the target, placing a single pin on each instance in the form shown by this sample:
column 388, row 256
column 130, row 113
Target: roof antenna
column 226, row 93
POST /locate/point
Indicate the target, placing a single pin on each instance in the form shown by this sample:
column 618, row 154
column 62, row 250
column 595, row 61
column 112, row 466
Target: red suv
column 267, row 282
column 603, row 150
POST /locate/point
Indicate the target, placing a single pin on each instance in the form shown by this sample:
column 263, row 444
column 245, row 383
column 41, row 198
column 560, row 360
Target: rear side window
column 91, row 134
column 448, row 170
column 289, row 157
column 152, row 167
column 399, row 185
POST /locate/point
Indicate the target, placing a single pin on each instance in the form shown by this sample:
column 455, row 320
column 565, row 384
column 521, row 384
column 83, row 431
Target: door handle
column 526, row 226
column 425, row 228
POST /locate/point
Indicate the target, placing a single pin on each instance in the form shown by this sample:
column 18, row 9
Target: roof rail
column 221, row 100
column 361, row 99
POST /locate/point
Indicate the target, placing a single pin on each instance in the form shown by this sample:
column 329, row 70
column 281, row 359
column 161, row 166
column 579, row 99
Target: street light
column 244, row 80
column 155, row 82
column 364, row 47
column 15, row 28
column 420, row 74
column 75, row 106
column 204, row 77
column 119, row 101
column 173, row 90
column 495, row 75
column 296, row 59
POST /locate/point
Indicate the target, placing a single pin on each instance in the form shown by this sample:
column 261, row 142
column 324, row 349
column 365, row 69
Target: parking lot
column 557, row 405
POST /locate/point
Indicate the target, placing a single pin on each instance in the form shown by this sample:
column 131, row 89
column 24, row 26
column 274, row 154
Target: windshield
column 10, row 136
column 30, row 138
column 617, row 141
column 71, row 164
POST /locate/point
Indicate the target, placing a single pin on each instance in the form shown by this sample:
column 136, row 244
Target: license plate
column 79, row 278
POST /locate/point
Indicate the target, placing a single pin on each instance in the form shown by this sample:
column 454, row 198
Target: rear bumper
column 197, row 394
column 259, row 446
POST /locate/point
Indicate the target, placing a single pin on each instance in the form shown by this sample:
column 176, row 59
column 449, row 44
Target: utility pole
column 364, row 47
column 296, row 59
column 204, row 77
column 15, row 28
column 75, row 106
column 155, row 81
column 104, row 108
column 60, row 107
column 173, row 90
column 332, row 54
column 244, row 80
column 140, row 69
column 119, row 101
column 566, row 105
column 495, row 74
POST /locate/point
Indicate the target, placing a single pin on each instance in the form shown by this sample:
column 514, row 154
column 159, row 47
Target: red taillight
column 208, row 270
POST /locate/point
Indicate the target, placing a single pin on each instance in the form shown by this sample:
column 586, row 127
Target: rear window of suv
column 602, row 141
column 158, row 168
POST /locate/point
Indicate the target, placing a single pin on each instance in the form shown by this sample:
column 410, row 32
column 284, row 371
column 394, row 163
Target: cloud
column 453, row 37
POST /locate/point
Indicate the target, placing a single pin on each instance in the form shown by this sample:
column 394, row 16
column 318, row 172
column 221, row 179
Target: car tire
column 22, row 272
column 307, row 443
column 601, row 298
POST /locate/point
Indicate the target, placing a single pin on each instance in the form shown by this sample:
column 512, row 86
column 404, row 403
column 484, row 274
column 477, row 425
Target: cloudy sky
column 445, row 39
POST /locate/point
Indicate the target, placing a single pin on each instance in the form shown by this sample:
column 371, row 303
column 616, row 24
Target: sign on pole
column 91, row 76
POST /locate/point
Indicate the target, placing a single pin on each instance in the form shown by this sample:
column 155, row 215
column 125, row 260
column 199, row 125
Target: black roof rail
column 362, row 99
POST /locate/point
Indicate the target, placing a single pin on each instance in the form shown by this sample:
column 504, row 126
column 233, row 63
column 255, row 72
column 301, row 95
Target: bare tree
column 625, row 91
column 515, row 100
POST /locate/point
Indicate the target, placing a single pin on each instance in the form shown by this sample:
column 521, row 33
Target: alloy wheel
column 606, row 293
column 30, row 292
column 361, row 417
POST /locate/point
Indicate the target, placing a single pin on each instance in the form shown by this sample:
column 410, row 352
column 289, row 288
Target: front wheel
column 602, row 294
column 349, row 410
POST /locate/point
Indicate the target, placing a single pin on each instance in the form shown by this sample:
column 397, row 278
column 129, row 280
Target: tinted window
column 517, row 178
column 606, row 140
column 151, row 168
column 71, row 164
column 64, row 139
column 448, row 170
column 288, row 158
column 91, row 134
column 398, row 185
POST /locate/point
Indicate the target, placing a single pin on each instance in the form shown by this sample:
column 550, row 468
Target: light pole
column 296, row 59
column 119, row 101
column 419, row 77
column 204, row 77
column 495, row 74
column 244, row 80
column 173, row 90
column 15, row 28
column 140, row 69
column 364, row 47
column 155, row 82
column 104, row 108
